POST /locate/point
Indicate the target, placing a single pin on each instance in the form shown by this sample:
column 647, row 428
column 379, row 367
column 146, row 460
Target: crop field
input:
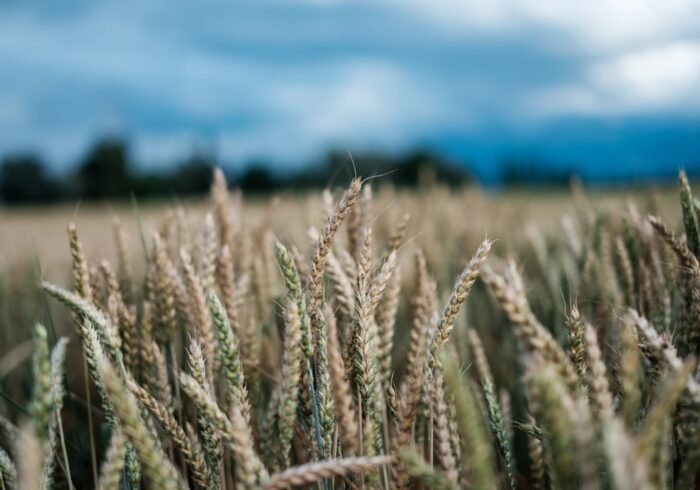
column 363, row 337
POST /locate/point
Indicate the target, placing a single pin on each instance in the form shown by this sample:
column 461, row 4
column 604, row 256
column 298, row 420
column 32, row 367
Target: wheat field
column 367, row 338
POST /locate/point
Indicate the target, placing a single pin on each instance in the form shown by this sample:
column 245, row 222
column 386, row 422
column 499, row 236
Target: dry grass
column 249, row 345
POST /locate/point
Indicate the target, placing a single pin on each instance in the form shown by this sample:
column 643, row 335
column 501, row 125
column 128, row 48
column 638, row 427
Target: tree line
column 108, row 172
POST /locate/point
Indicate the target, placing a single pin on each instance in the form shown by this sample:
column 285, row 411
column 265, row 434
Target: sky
column 610, row 88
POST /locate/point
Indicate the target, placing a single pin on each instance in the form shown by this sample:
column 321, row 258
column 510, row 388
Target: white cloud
column 360, row 96
column 641, row 82
column 656, row 77
column 359, row 103
column 594, row 25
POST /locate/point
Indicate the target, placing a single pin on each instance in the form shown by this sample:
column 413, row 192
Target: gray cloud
column 289, row 79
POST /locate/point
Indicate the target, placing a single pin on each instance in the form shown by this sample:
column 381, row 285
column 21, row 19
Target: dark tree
column 105, row 171
column 193, row 176
column 527, row 171
column 23, row 179
column 405, row 170
column 258, row 179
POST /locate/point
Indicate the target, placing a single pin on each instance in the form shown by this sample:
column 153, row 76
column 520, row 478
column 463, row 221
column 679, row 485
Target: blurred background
column 553, row 127
column 102, row 99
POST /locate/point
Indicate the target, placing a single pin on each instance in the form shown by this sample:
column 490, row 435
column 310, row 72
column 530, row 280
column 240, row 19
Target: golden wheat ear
column 459, row 294
column 81, row 273
column 323, row 246
column 219, row 194
column 532, row 335
column 342, row 394
column 292, row 365
column 410, row 390
column 191, row 452
column 442, row 442
column 599, row 390
column 315, row 472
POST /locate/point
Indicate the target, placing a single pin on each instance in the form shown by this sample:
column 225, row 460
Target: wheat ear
column 385, row 317
column 441, row 430
column 323, row 245
column 630, row 369
column 229, row 355
column 213, row 448
column 42, row 402
column 423, row 472
column 577, row 345
column 459, row 294
column 652, row 446
column 410, row 390
column 219, row 194
column 601, row 399
column 198, row 303
column 192, row 454
column 531, row 333
column 8, row 471
column 234, row 431
column 83, row 309
column 364, row 349
column 81, row 271
column 291, row 376
column 345, row 413
column 558, row 410
column 626, row 471
column 113, row 465
column 163, row 290
column 493, row 407
column 158, row 470
column 477, row 454
column 313, row 472
column 690, row 219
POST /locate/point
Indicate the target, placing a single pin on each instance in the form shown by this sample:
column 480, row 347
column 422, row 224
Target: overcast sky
column 605, row 85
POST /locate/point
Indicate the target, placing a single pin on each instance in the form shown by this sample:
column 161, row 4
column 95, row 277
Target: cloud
column 595, row 25
column 659, row 80
column 659, row 77
column 286, row 80
column 125, row 67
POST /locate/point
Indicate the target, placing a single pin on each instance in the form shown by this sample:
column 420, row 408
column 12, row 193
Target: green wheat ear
column 113, row 464
column 228, row 350
column 422, row 471
column 42, row 402
column 157, row 469
column 85, row 310
column 47, row 397
column 690, row 218
column 477, row 454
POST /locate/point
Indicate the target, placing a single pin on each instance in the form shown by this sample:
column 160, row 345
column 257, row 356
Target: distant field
column 27, row 230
